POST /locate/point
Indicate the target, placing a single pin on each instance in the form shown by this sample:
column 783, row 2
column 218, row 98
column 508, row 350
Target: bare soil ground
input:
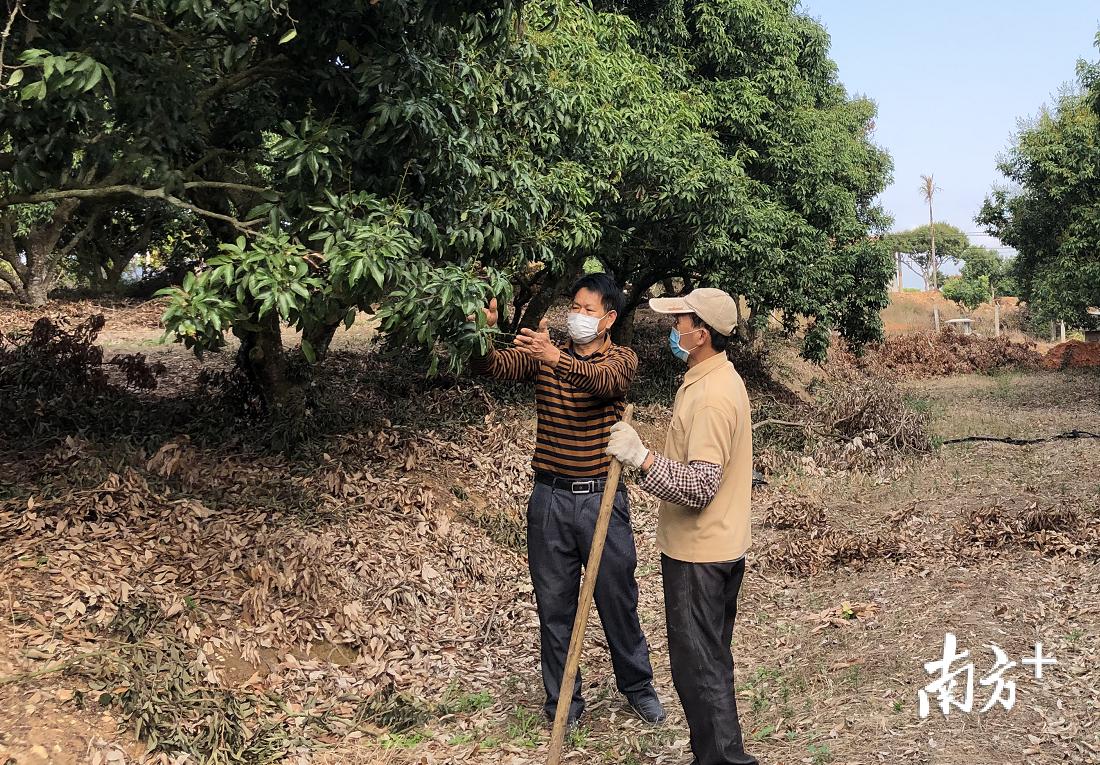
column 386, row 562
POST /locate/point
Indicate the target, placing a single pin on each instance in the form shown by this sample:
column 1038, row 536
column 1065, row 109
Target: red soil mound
column 1072, row 354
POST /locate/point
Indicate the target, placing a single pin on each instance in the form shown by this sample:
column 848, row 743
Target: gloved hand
column 626, row 445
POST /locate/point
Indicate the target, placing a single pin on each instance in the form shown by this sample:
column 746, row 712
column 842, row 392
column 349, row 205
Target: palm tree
column 928, row 190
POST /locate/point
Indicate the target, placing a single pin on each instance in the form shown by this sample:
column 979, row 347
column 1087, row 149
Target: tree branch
column 203, row 160
column 16, row 10
column 224, row 185
column 241, row 79
column 161, row 27
column 9, row 249
column 101, row 192
column 8, row 275
column 784, row 423
column 64, row 251
column 242, row 226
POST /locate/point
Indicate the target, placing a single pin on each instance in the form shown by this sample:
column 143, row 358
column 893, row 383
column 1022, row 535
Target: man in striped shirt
column 580, row 391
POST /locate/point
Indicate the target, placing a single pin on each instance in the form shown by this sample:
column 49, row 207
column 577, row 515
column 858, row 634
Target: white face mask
column 584, row 329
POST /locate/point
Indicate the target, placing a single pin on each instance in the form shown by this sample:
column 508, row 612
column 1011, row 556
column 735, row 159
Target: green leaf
column 308, row 352
column 16, row 78
column 288, row 36
column 378, row 274
column 36, row 90
column 93, row 79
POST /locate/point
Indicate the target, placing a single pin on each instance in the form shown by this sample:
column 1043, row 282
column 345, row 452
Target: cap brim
column 670, row 305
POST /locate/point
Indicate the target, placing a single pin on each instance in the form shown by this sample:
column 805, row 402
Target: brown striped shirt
column 578, row 401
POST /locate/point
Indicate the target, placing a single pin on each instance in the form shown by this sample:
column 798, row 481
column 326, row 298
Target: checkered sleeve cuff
column 692, row 485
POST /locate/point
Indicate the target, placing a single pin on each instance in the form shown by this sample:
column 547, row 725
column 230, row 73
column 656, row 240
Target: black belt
column 574, row 485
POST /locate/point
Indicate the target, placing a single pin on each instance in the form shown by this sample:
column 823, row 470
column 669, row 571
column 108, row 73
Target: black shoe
column 648, row 708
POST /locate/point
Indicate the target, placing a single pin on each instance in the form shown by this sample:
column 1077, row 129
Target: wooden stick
column 588, row 588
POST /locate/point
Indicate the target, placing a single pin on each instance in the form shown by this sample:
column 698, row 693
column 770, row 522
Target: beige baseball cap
column 713, row 306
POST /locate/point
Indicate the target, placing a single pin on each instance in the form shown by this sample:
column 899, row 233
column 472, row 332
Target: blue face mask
column 674, row 344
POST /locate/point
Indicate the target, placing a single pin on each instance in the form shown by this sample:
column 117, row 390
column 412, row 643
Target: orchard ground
column 365, row 599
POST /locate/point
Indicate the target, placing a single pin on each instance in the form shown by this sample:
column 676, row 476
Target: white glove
column 626, row 445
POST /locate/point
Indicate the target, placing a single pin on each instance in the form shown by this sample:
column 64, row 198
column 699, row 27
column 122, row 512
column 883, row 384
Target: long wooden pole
column 584, row 605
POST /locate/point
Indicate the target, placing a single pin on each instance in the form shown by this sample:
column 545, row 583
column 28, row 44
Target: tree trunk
column 114, row 272
column 623, row 331
column 36, row 292
column 320, row 337
column 932, row 233
column 38, row 273
column 529, row 315
column 265, row 363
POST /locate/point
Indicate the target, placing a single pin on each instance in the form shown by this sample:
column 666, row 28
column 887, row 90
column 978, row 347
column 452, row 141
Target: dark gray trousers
column 700, row 607
column 560, row 526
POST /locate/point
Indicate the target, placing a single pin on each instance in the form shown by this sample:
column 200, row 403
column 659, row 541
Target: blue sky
column 952, row 80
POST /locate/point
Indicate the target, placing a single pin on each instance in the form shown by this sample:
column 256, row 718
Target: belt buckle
column 591, row 487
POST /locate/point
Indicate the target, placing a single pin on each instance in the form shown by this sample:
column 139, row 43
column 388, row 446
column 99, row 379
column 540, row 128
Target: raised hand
column 538, row 344
column 491, row 314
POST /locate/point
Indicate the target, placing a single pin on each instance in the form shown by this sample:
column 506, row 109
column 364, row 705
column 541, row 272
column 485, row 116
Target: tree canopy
column 1051, row 212
column 916, row 246
column 413, row 158
column 793, row 226
column 984, row 277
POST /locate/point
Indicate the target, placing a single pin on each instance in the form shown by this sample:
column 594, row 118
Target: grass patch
column 407, row 740
column 456, row 702
column 524, row 728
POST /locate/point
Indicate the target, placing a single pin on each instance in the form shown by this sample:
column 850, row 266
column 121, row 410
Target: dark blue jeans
column 560, row 526
column 700, row 607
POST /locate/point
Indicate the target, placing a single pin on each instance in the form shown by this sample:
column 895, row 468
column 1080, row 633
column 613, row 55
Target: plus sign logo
column 953, row 683
column 1039, row 661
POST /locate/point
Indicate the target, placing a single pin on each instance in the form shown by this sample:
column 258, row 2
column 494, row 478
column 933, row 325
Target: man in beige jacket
column 704, row 482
